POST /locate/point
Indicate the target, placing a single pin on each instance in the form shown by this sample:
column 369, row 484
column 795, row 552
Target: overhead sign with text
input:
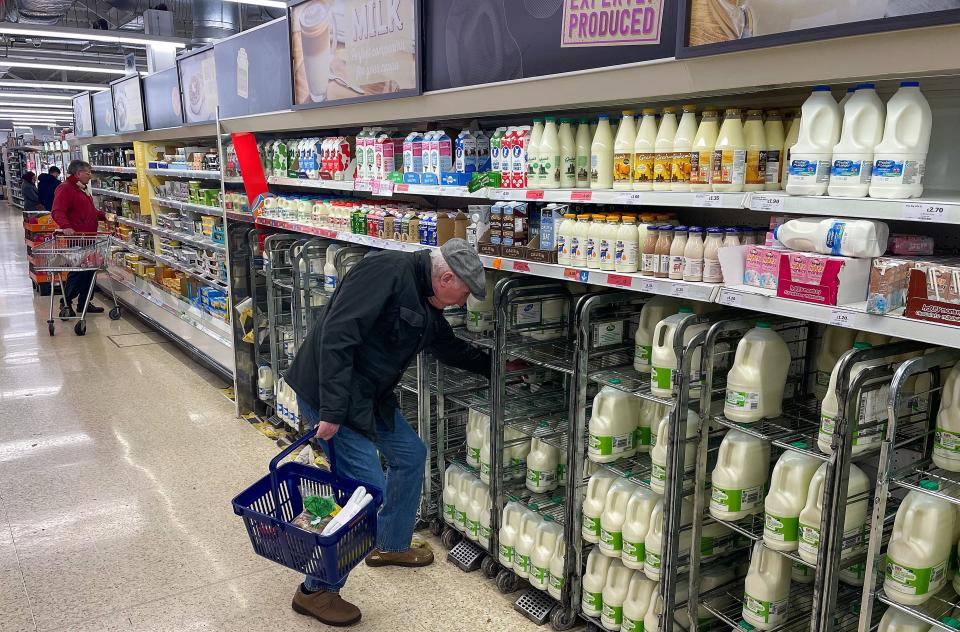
column 611, row 22
column 354, row 50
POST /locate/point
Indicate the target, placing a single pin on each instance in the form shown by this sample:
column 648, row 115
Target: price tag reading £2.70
column 708, row 200
column 924, row 212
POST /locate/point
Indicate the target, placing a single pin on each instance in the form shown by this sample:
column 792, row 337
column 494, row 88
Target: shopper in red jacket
column 75, row 213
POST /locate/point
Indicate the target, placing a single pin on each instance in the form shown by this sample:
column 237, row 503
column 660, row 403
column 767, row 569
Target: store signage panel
column 475, row 42
column 251, row 76
column 128, row 104
column 344, row 51
column 161, row 97
column 709, row 27
column 104, row 123
column 198, row 86
column 82, row 116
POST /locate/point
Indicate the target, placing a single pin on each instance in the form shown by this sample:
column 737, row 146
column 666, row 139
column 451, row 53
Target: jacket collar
column 424, row 271
column 76, row 182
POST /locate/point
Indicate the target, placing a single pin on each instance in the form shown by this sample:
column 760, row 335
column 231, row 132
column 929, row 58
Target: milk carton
column 506, row 157
column 518, row 157
column 465, row 152
column 413, row 153
column 740, row 476
column 496, row 141
column 482, row 156
column 756, row 382
column 766, row 598
column 444, row 153
column 613, row 516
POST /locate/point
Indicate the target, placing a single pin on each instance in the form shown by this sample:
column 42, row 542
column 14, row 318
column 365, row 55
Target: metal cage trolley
column 74, row 253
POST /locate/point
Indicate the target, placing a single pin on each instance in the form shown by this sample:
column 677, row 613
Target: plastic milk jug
column 485, row 455
column 766, row 588
column 601, row 155
column 478, row 426
column 919, row 549
column 756, row 137
column 612, row 425
column 623, row 152
column 846, row 238
column 628, row 245
column 663, row 358
column 835, row 342
column 578, row 240
column 900, row 159
column 729, row 163
column 542, row 466
column 594, row 580
column 265, row 383
column 512, row 519
column 758, row 376
column 740, row 477
column 663, row 150
column 564, row 239
column 809, row 168
column 515, row 456
column 480, row 315
column 701, row 156
column 658, row 453
column 639, row 594
column 636, row 525
column 451, row 484
column 594, row 502
column 894, row 620
column 682, row 146
column 526, row 538
column 946, row 445
column 568, row 155
column 652, row 312
column 650, row 415
column 644, row 151
column 854, row 520
column 548, row 165
column 329, row 269
column 852, row 163
column 613, row 516
column 846, row 98
column 654, row 541
column 533, row 155
column 544, row 546
column 872, row 408
column 583, row 140
column 774, row 134
column 789, row 484
column 464, row 491
column 608, row 243
column 614, row 594
column 791, row 125
column 478, row 514
column 557, row 580
column 594, row 235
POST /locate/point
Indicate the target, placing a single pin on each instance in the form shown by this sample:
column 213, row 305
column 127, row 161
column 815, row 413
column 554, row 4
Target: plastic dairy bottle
column 900, row 158
column 871, row 409
column 614, row 514
column 568, row 155
column 512, row 518
column 654, row 541
column 652, row 312
column 329, row 269
column 526, row 538
column 774, row 134
column 612, row 425
column 451, row 483
column 593, row 241
column 946, row 445
column 623, row 152
column 819, row 132
column 476, row 423
column 758, row 376
column 594, row 579
column 464, row 491
column 677, row 247
column 515, row 456
column 614, row 594
column 644, row 151
column 663, row 358
column 542, row 466
column 601, row 155
column 663, row 150
column 894, row 620
column 862, row 130
column 701, row 155
column 729, row 162
column 789, row 483
column 628, row 245
column 766, row 588
column 578, row 241
column 740, row 477
column 265, row 383
column 593, row 504
column 557, row 581
column 693, row 255
column 756, row 138
column 919, row 549
column 583, row 139
column 485, row 455
column 791, row 124
column 533, row 155
column 608, row 243
column 847, row 238
column 548, row 165
column 544, row 546
column 658, row 454
column 846, row 98
column 639, row 594
column 682, row 146
column 854, row 520
column 564, row 239
column 480, row 313
column 478, row 513
column 636, row 525
column 835, row 342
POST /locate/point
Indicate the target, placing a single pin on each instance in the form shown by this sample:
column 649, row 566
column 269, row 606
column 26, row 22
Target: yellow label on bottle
column 622, row 169
column 643, row 167
column 662, row 166
column 700, row 167
column 682, row 167
column 756, row 167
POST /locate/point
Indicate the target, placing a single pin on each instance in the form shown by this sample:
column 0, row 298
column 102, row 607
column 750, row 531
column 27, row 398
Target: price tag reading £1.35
column 709, row 200
column 924, row 212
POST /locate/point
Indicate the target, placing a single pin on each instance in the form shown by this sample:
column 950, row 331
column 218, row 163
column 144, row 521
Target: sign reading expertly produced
column 611, row 22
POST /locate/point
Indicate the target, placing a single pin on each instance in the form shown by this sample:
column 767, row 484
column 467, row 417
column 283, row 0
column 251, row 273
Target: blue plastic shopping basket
column 269, row 506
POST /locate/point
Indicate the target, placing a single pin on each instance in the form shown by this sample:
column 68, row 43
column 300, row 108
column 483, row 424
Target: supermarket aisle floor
column 118, row 459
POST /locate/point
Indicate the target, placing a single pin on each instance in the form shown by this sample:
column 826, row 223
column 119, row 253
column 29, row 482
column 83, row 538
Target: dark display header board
column 128, row 104
column 198, row 86
column 82, row 115
column 252, row 77
column 104, row 123
column 710, row 27
column 161, row 97
column 474, row 42
column 344, row 51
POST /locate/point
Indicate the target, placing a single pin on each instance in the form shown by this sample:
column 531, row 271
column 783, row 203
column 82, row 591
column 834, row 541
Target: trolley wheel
column 489, row 567
column 562, row 619
column 507, row 581
column 436, row 527
column 80, row 328
column 50, row 328
column 114, row 313
column 450, row 538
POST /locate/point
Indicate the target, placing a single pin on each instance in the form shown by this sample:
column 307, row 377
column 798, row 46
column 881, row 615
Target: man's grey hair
column 78, row 165
column 439, row 265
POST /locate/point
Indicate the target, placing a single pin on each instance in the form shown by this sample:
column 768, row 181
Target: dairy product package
column 910, row 245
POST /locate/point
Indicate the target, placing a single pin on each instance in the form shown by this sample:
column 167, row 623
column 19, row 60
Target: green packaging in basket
column 317, row 512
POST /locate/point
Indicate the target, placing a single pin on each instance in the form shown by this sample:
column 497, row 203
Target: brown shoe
column 412, row 557
column 326, row 607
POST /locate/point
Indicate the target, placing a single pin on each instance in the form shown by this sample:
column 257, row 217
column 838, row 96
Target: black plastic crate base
column 536, row 605
column 466, row 555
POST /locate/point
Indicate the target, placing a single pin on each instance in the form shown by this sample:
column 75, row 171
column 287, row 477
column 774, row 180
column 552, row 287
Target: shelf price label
column 730, row 299
column 497, row 263
column 924, row 212
column 630, row 198
column 678, row 290
column 521, row 266
column 842, row 318
column 578, row 195
column 362, row 185
column 382, row 187
column 708, row 200
column 648, row 286
column 619, row 280
column 574, row 274
column 762, row 202
column 501, row 194
column 401, row 188
column 534, row 194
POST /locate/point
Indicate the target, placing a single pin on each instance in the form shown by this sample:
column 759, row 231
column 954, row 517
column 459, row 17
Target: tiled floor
column 118, row 459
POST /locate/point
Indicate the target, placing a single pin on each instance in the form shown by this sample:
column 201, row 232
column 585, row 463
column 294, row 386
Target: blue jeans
column 356, row 456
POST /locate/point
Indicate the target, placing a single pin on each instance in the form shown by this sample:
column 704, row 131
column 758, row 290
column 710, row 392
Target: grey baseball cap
column 466, row 264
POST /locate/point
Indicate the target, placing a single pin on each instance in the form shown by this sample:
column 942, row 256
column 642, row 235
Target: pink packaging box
column 762, row 267
column 823, row 279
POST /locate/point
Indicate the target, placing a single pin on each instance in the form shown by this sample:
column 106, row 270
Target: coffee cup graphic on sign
column 317, row 33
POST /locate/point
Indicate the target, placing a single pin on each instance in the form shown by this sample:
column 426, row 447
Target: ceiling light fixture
column 36, row 111
column 27, row 95
column 94, row 35
column 48, row 106
column 272, row 4
column 54, row 85
column 17, row 114
column 45, row 65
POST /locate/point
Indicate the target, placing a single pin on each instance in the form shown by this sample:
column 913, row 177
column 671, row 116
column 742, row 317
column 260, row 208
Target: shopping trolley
column 74, row 253
column 269, row 507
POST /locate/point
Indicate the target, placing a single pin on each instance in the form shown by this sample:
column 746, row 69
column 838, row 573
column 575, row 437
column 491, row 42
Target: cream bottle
column 701, row 156
column 774, row 134
column 693, row 255
column 677, row 248
column 601, row 155
column 729, row 155
column 548, row 165
column 608, row 243
column 565, row 239
column 627, row 254
column 593, row 241
column 682, row 146
column 644, row 151
column 649, row 261
column 662, row 251
column 578, row 241
column 568, row 155
column 711, row 262
column 623, row 152
column 756, row 137
column 582, row 142
column 663, row 150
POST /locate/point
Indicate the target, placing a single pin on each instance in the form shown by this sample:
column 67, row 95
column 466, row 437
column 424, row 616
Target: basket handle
column 274, row 462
